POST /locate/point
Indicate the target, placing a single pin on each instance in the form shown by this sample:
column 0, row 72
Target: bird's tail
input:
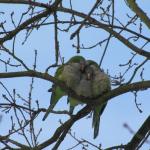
column 96, row 118
column 50, row 108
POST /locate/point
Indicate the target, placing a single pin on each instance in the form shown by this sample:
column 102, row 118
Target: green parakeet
column 93, row 82
column 100, row 85
column 83, row 88
column 86, row 79
column 78, row 65
column 67, row 73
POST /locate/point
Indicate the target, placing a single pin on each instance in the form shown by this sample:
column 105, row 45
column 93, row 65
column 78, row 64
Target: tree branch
column 109, row 30
column 65, row 127
column 53, row 8
column 85, row 19
column 27, row 2
column 142, row 85
column 139, row 12
column 50, row 10
column 139, row 136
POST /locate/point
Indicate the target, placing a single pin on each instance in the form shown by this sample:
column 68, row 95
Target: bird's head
column 82, row 65
column 80, row 60
column 89, row 73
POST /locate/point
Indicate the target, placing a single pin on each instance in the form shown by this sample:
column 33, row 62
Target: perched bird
column 100, row 85
column 68, row 73
column 76, row 79
column 94, row 82
column 83, row 88
column 86, row 79
column 78, row 59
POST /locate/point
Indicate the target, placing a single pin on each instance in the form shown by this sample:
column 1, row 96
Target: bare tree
column 29, row 64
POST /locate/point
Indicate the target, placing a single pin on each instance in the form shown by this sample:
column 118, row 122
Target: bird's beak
column 88, row 76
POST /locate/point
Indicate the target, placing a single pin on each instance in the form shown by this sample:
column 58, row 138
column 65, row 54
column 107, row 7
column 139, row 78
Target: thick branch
column 65, row 127
column 21, row 146
column 139, row 136
column 134, row 7
column 97, row 100
column 87, row 23
column 27, row 2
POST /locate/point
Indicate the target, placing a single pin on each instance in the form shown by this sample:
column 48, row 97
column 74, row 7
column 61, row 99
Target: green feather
column 57, row 93
column 98, row 110
column 100, row 85
column 76, row 59
column 64, row 73
column 91, row 62
column 73, row 103
column 86, row 79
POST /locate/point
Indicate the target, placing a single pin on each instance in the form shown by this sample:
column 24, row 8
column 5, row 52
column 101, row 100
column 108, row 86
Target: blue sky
column 119, row 110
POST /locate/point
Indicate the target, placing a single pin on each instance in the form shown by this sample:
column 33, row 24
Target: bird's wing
column 57, row 93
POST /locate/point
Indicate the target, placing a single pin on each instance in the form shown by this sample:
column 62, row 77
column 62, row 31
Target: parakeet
column 100, row 85
column 70, row 74
column 86, row 79
column 77, row 73
column 94, row 82
column 83, row 88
